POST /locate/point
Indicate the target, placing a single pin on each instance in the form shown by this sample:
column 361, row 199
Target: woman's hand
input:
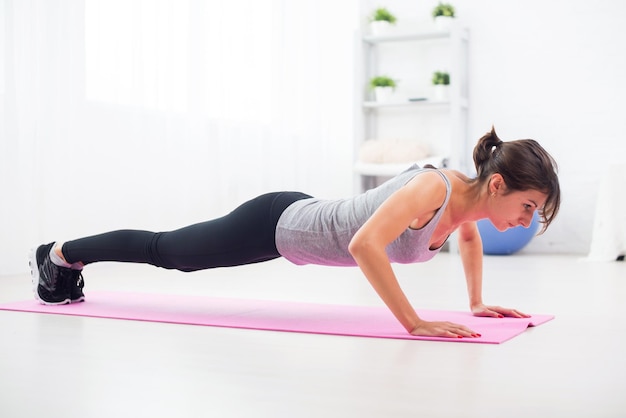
column 443, row 329
column 497, row 312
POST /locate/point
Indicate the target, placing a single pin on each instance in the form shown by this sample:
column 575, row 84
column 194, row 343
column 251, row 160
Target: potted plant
column 383, row 87
column 441, row 83
column 443, row 14
column 381, row 20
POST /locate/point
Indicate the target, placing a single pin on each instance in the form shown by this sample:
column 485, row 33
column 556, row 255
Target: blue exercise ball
column 508, row 242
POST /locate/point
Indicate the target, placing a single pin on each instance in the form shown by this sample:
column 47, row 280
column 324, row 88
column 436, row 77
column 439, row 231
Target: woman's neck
column 467, row 202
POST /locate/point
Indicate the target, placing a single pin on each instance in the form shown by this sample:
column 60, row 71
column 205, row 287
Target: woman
column 406, row 219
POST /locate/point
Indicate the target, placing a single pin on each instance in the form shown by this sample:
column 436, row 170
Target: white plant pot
column 443, row 23
column 383, row 94
column 441, row 92
column 379, row 27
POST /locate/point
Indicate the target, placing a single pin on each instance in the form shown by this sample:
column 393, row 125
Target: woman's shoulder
column 455, row 174
column 428, row 188
column 456, row 179
column 435, row 179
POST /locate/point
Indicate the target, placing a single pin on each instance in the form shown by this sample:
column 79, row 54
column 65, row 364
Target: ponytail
column 484, row 151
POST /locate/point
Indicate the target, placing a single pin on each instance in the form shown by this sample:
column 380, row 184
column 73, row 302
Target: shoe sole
column 79, row 300
column 34, row 275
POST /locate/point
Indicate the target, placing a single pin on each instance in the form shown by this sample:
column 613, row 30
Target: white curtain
column 157, row 113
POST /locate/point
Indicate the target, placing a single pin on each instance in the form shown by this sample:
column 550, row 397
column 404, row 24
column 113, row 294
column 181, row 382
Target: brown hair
column 524, row 165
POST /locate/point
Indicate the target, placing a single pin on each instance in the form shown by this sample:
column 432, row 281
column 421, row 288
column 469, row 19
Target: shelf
column 375, row 105
column 420, row 103
column 372, row 169
column 412, row 36
column 400, row 49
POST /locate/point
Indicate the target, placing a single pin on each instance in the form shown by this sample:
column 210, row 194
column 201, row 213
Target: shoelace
column 78, row 274
column 51, row 273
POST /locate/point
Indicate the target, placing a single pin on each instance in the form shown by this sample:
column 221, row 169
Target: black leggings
column 244, row 236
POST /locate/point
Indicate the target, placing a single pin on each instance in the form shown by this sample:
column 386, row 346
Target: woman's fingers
column 486, row 311
column 509, row 312
column 517, row 314
column 463, row 331
column 444, row 329
column 499, row 312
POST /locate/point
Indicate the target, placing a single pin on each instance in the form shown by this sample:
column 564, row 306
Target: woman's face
column 516, row 208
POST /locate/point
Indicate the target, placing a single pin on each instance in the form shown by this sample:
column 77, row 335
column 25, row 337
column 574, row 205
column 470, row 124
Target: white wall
column 553, row 71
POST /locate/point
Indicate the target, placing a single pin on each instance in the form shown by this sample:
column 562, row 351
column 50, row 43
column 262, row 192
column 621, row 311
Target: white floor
column 573, row 366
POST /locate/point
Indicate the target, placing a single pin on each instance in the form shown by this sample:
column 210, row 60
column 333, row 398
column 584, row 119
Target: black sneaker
column 51, row 283
column 76, row 286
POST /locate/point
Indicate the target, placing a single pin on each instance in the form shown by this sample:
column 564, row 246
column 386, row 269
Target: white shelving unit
column 452, row 146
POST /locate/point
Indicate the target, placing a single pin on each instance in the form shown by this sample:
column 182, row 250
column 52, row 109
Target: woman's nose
column 525, row 221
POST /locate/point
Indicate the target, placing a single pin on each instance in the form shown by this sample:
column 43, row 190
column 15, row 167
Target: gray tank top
column 316, row 231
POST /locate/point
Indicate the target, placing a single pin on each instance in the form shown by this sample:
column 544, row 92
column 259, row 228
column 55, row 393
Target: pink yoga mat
column 358, row 321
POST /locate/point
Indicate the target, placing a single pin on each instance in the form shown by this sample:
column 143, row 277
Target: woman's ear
column 496, row 184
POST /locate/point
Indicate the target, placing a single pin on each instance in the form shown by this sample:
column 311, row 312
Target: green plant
column 443, row 9
column 383, row 14
column 382, row 81
column 441, row 78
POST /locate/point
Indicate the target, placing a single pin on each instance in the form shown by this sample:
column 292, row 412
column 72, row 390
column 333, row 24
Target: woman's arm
column 419, row 198
column 471, row 249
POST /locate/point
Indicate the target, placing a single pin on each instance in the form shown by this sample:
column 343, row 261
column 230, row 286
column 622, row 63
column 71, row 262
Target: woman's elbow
column 358, row 246
column 353, row 247
column 472, row 243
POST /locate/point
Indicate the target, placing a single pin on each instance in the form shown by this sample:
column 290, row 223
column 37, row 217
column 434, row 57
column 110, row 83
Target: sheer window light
column 238, row 51
column 136, row 53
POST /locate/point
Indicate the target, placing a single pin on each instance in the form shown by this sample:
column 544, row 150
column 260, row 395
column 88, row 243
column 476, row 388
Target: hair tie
column 496, row 147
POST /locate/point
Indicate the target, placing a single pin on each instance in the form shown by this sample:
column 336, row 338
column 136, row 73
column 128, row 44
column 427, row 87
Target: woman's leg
column 244, row 236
